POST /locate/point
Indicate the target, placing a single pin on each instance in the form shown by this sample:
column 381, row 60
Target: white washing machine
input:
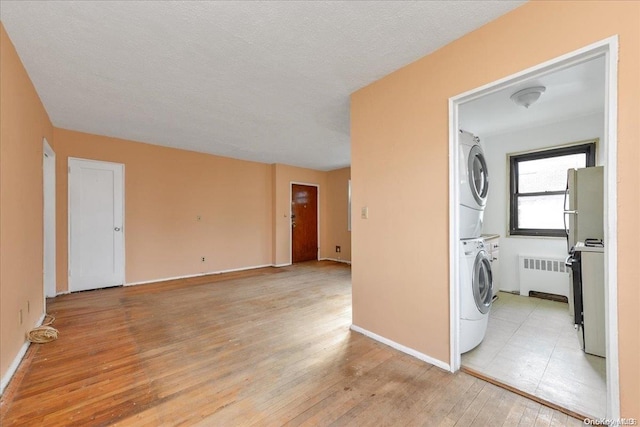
column 474, row 185
column 476, row 293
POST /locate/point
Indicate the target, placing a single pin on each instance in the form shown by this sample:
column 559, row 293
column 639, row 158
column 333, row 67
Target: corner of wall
column 25, row 123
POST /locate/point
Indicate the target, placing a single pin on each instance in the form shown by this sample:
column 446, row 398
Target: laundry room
column 531, row 245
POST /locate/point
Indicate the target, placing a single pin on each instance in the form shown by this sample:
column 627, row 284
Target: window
column 538, row 182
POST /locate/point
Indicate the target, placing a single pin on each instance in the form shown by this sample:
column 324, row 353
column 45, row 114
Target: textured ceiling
column 262, row 81
column 571, row 92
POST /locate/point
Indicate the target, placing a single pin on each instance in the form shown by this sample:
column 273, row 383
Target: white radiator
column 542, row 274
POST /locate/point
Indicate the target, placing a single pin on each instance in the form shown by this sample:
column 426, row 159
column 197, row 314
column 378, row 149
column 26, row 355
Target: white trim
column 411, row 352
column 611, row 228
column 291, row 183
column 609, row 48
column 17, row 360
column 454, row 238
column 68, row 225
column 49, row 222
column 344, row 261
column 349, row 205
column 188, row 276
column 209, row 273
column 47, row 148
column 14, row 366
column 124, row 223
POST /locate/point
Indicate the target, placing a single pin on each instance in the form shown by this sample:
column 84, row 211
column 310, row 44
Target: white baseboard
column 411, row 352
column 344, row 261
column 16, row 362
column 209, row 273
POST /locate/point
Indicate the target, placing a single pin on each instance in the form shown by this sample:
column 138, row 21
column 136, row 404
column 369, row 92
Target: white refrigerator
column 584, row 205
column 584, row 225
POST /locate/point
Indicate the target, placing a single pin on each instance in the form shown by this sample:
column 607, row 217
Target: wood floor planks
column 265, row 347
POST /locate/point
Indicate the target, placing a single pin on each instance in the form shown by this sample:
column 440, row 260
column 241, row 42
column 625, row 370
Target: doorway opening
column 304, row 222
column 49, row 221
column 506, row 139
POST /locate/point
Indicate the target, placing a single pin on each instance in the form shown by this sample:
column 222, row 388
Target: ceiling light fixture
column 528, row 96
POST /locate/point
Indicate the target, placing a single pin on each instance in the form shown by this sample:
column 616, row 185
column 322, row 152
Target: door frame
column 124, row 228
column 291, row 184
column 49, row 221
column 609, row 49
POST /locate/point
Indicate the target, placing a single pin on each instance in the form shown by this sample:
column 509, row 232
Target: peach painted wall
column 337, row 202
column 165, row 190
column 399, row 132
column 23, row 124
column 242, row 206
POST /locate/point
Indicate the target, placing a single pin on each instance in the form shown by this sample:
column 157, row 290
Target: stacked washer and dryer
column 476, row 280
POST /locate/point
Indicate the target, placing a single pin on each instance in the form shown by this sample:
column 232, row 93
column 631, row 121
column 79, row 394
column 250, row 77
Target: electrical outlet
column 202, row 259
column 338, row 249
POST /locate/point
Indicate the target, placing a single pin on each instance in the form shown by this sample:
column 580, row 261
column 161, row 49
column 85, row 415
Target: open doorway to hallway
column 49, row 220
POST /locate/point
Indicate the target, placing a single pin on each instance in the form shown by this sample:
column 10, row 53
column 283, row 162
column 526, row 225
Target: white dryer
column 476, row 293
column 474, row 185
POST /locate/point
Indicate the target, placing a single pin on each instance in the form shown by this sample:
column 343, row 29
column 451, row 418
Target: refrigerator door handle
column 564, row 219
column 566, row 210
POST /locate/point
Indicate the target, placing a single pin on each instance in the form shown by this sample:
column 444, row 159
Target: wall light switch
column 364, row 213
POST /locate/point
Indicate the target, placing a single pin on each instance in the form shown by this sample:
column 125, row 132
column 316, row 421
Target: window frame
column 585, row 147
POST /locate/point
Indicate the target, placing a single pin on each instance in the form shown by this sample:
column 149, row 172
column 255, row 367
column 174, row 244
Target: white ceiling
column 572, row 92
column 263, row 81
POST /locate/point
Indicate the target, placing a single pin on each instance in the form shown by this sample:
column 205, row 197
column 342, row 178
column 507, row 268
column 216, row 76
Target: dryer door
column 478, row 175
column 482, row 282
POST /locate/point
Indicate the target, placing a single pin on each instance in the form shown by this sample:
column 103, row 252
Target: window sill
column 530, row 236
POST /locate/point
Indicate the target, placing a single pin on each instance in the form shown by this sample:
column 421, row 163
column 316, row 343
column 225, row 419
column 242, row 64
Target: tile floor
column 531, row 345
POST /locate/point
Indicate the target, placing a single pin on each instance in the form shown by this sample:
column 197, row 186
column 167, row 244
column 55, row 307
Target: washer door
column 482, row 282
column 478, row 175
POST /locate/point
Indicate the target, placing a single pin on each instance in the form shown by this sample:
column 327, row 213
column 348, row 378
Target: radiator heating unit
column 542, row 274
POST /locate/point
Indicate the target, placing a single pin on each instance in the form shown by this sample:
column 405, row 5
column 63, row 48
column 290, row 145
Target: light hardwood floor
column 263, row 347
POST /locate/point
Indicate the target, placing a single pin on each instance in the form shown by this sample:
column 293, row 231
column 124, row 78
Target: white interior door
column 96, row 224
column 49, row 211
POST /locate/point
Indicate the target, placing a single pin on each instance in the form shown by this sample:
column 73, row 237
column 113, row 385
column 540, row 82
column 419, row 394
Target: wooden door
column 304, row 223
column 96, row 232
